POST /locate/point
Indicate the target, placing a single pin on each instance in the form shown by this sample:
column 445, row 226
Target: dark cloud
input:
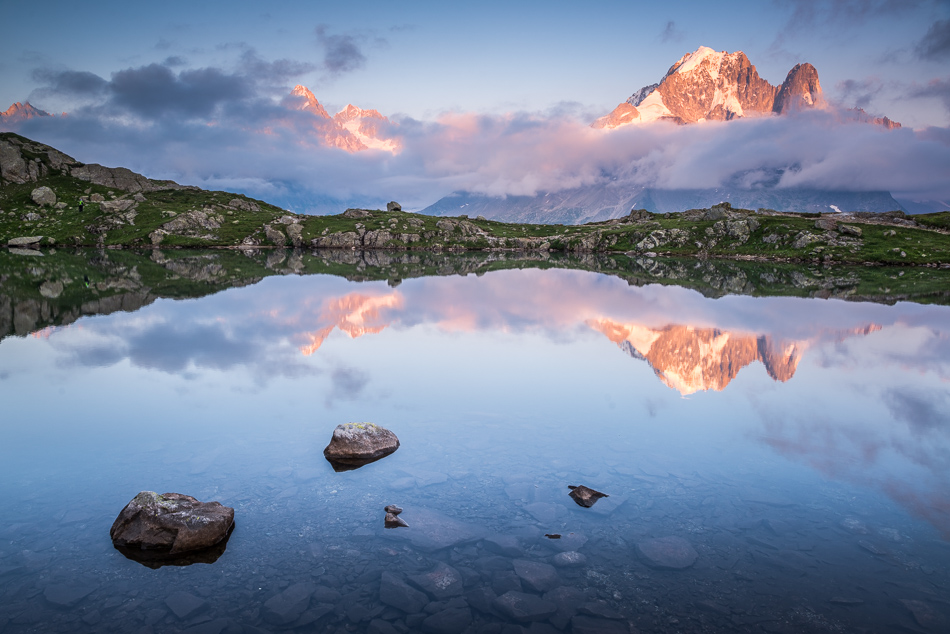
column 923, row 411
column 670, row 33
column 839, row 14
column 70, row 82
column 158, row 90
column 935, row 45
column 341, row 53
column 937, row 88
column 277, row 72
column 347, row 384
column 155, row 90
column 859, row 92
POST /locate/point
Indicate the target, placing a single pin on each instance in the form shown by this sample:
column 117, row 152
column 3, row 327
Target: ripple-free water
column 799, row 445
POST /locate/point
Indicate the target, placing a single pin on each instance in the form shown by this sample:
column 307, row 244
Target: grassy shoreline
column 162, row 214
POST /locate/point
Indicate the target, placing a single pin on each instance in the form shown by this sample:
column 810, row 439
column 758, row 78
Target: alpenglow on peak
column 715, row 85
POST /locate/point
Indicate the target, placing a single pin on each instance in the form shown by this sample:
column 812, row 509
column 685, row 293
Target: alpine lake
column 773, row 442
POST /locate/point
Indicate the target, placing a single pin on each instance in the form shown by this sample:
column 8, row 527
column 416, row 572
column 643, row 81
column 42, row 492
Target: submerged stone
column 170, row 525
column 521, row 606
column 667, row 553
column 584, row 496
column 432, row 531
column 354, row 445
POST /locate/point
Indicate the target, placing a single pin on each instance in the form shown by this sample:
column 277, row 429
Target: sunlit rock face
column 691, row 359
column 355, row 314
column 21, row 112
column 707, row 85
column 799, row 91
column 352, row 129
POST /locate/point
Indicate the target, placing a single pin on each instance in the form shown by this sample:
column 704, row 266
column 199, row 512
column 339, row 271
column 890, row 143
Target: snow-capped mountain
column 708, row 85
column 352, row 129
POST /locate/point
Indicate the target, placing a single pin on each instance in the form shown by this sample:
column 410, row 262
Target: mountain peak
column 352, row 129
column 709, row 85
column 22, row 111
column 799, row 91
column 310, row 102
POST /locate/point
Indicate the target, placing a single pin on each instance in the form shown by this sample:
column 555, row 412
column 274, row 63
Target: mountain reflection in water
column 817, row 480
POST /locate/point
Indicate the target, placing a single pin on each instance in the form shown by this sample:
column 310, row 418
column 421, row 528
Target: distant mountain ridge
column 603, row 202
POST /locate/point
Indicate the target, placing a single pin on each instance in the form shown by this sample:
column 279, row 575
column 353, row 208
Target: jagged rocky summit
column 708, row 85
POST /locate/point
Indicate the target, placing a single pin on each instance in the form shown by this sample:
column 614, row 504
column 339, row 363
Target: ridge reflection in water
column 503, row 389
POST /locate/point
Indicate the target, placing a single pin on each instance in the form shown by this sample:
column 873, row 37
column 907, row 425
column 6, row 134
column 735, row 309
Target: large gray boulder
column 356, row 444
column 171, row 522
column 43, row 196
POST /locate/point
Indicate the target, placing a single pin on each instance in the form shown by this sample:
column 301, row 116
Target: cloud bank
column 233, row 129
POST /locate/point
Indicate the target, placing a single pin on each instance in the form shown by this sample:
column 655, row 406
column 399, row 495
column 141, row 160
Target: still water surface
column 800, row 446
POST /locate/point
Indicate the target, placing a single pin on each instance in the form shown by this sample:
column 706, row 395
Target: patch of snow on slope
column 653, row 108
column 696, row 58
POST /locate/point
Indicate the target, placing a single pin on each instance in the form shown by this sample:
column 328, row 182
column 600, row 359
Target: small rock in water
column 584, row 496
column 354, row 445
column 392, row 521
column 170, row 524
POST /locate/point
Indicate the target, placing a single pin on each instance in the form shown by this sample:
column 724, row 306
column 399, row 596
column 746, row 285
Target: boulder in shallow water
column 584, row 496
column 172, row 523
column 356, row 444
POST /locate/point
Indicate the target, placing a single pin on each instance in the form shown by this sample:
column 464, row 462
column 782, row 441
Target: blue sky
column 177, row 69
column 422, row 58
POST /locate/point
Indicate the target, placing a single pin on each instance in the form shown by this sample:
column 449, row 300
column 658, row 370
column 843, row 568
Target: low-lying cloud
column 229, row 128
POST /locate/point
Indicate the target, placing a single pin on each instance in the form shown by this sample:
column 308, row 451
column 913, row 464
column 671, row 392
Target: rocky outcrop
column 171, row 522
column 120, row 178
column 356, row 444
